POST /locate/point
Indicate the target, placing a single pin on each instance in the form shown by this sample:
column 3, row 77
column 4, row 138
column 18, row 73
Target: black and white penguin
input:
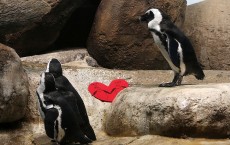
column 44, row 86
column 174, row 46
column 62, row 83
column 60, row 118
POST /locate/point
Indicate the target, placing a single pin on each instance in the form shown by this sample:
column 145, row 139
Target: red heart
column 107, row 93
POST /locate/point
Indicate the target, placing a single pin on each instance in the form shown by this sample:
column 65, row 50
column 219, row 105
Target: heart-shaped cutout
column 107, row 93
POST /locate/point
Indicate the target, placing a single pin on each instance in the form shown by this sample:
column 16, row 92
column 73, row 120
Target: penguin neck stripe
column 48, row 66
column 50, row 106
column 154, row 24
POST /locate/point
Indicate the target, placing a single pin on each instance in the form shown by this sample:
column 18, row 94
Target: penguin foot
column 171, row 84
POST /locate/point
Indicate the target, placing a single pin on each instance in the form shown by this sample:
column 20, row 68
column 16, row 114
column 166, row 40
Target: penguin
column 60, row 118
column 174, row 46
column 43, row 87
column 62, row 83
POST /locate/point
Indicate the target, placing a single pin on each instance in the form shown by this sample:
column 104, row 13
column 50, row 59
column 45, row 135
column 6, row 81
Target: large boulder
column 207, row 25
column 14, row 87
column 191, row 110
column 39, row 23
column 119, row 40
column 80, row 57
column 17, row 15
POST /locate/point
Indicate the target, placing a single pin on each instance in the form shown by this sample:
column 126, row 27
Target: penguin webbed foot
column 171, row 84
column 176, row 81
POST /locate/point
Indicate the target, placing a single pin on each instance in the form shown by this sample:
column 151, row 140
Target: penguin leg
column 175, row 82
column 179, row 80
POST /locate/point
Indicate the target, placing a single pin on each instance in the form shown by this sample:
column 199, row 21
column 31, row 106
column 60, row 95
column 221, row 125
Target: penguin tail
column 89, row 132
column 199, row 74
column 80, row 137
column 85, row 140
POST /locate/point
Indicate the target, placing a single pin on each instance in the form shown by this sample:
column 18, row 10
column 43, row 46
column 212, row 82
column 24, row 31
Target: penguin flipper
column 50, row 117
column 199, row 74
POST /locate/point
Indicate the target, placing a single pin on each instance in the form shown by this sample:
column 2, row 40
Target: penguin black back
column 61, row 121
column 64, row 119
column 189, row 55
column 62, row 83
column 54, row 67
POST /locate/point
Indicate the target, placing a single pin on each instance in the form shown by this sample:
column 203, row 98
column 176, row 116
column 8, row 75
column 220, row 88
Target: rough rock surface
column 191, row 110
column 14, row 87
column 81, row 77
column 79, row 57
column 42, row 32
column 119, row 40
column 143, row 140
column 16, row 15
column 207, row 25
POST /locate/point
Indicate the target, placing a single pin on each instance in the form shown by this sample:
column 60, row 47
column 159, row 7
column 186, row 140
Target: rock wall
column 14, row 87
column 40, row 25
column 207, row 25
column 17, row 15
column 119, row 40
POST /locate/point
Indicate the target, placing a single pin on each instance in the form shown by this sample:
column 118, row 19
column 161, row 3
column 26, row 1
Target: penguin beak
column 142, row 18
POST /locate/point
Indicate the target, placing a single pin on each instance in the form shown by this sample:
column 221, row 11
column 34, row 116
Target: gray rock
column 190, row 110
column 207, row 26
column 14, row 87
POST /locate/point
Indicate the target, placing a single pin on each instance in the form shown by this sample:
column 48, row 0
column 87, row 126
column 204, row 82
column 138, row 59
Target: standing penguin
column 60, row 119
column 62, row 83
column 174, row 46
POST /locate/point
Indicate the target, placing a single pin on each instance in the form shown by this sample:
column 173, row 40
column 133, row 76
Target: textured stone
column 38, row 35
column 119, row 40
column 192, row 110
column 77, row 57
column 207, row 25
column 82, row 77
column 14, row 88
column 16, row 15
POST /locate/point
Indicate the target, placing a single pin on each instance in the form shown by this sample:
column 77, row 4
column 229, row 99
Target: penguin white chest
column 182, row 64
column 157, row 41
column 60, row 133
column 162, row 48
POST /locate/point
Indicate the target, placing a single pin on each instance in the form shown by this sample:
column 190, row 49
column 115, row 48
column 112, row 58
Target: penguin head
column 54, row 67
column 47, row 82
column 153, row 17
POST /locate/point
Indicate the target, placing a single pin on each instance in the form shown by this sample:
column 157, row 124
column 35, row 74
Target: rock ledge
column 190, row 110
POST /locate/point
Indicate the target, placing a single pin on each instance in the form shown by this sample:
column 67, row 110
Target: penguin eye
column 151, row 14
